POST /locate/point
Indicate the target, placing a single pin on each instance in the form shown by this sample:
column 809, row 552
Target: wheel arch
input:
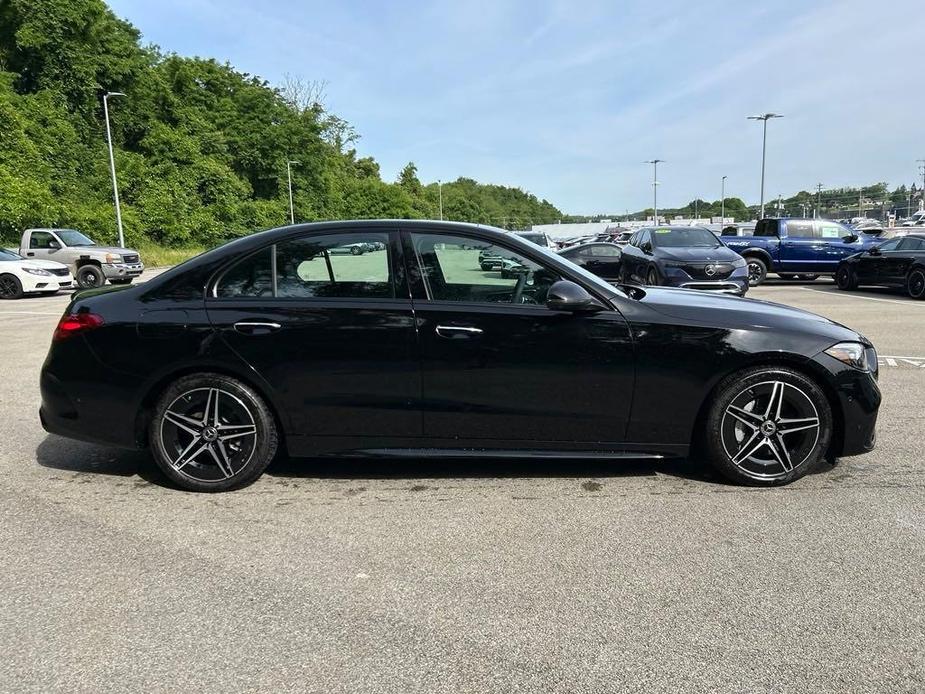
column 760, row 253
column 794, row 362
column 145, row 408
column 86, row 260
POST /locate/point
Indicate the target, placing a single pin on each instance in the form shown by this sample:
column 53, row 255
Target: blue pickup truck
column 797, row 248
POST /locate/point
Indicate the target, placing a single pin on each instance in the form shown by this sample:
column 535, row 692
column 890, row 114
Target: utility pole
column 722, row 202
column 778, row 206
column 289, row 164
column 860, row 202
column 440, row 193
column 921, row 163
column 818, row 198
column 764, row 147
column 112, row 165
column 655, row 163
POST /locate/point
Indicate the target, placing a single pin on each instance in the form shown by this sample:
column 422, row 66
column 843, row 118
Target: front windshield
column 684, row 237
column 72, row 237
column 9, row 255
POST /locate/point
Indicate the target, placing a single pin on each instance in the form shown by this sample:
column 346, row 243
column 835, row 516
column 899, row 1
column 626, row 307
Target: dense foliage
column 201, row 148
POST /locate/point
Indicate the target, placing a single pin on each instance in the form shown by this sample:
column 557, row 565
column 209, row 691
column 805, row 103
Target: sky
column 568, row 99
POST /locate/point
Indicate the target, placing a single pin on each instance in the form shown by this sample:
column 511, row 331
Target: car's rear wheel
column 757, row 271
column 768, row 426
column 212, row 433
column 10, row 287
column 915, row 283
column 90, row 277
column 356, row 250
column 652, row 277
column 846, row 278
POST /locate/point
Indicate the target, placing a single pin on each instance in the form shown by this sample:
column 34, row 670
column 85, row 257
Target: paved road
column 567, row 577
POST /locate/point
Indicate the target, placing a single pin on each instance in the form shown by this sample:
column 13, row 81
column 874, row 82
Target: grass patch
column 153, row 255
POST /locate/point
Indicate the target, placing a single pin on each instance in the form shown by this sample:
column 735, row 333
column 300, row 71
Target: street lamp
column 764, row 145
column 112, row 164
column 722, row 203
column 440, row 193
column 289, row 164
column 655, row 163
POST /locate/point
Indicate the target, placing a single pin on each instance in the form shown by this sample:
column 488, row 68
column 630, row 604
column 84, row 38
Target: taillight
column 73, row 323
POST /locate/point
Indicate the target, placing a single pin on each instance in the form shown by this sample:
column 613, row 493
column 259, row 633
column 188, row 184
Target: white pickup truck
column 90, row 264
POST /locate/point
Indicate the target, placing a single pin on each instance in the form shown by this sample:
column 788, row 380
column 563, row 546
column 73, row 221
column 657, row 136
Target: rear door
column 327, row 322
column 498, row 365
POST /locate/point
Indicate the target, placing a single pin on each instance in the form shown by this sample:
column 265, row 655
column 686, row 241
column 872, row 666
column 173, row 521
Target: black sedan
column 601, row 259
column 278, row 342
column 899, row 262
column 688, row 257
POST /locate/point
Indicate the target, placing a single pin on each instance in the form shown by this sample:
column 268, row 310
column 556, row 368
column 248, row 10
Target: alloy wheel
column 917, row 284
column 9, row 288
column 756, row 272
column 209, row 434
column 769, row 429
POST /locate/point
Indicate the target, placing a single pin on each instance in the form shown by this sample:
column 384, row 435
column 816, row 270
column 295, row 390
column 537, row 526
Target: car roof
column 589, row 243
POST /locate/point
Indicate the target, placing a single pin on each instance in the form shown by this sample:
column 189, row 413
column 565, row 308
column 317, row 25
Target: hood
column 720, row 254
column 732, row 312
column 44, row 264
column 106, row 249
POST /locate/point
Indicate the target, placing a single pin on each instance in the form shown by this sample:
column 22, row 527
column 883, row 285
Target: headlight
column 851, row 353
column 113, row 258
column 36, row 271
column 739, row 262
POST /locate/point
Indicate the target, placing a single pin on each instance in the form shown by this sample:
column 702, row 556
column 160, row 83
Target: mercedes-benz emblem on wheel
column 710, row 270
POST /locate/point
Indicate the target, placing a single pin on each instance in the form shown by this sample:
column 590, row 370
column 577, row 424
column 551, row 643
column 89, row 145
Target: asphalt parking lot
column 464, row 577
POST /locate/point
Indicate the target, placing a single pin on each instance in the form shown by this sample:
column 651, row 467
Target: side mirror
column 54, row 245
column 568, row 296
column 850, row 238
column 646, row 248
column 874, row 251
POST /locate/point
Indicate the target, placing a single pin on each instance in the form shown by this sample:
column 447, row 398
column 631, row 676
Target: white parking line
column 869, row 298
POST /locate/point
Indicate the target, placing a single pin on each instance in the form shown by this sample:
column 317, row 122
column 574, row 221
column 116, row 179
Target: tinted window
column 347, row 266
column 890, row 245
column 250, row 277
column 539, row 239
column 603, row 251
column 911, row 243
column 684, row 237
column 41, row 239
column 643, row 238
column 800, row 229
column 766, row 227
column 457, row 268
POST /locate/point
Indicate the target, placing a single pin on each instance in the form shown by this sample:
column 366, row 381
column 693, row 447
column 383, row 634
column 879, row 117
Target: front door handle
column 30, row 254
column 456, row 331
column 253, row 327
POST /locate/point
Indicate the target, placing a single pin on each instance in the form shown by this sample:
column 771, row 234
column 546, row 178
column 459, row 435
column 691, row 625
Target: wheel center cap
column 209, row 434
column 769, row 428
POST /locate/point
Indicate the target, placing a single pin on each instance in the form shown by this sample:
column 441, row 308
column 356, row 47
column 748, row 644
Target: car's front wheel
column 212, row 433
column 10, row 287
column 846, row 278
column 652, row 277
column 768, row 426
column 90, row 277
column 915, row 283
column 757, row 271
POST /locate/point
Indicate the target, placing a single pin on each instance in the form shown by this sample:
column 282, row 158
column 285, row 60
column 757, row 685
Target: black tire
column 652, row 279
column 758, row 435
column 90, row 277
column 915, row 283
column 356, row 250
column 186, row 439
column 485, row 267
column 124, row 280
column 10, row 287
column 846, row 278
column 757, row 271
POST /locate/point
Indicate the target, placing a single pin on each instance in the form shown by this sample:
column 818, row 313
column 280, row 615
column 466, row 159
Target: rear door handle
column 253, row 327
column 451, row 331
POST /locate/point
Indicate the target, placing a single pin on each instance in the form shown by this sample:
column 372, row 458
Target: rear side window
column 344, row 266
column 912, row 244
column 797, row 229
column 603, row 251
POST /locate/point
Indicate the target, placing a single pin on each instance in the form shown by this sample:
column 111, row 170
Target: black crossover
column 291, row 341
column 899, row 262
column 688, row 257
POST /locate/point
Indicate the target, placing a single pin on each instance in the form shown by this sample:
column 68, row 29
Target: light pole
column 722, row 203
column 818, row 201
column 921, row 163
column 289, row 164
column 764, row 146
column 440, row 194
column 112, row 164
column 655, row 163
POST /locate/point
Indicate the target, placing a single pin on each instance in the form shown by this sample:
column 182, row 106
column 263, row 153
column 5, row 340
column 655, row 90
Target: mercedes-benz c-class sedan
column 280, row 342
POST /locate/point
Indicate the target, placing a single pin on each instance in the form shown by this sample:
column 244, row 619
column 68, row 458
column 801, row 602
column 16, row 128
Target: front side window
column 342, row 266
column 830, row 230
column 41, row 239
column 890, row 245
column 457, row 268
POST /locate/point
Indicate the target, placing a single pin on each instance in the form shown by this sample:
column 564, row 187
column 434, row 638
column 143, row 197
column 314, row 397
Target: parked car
column 687, row 257
column 868, row 226
column 537, row 237
column 601, row 259
column 490, row 260
column 512, row 267
column 916, row 219
column 897, row 262
column 19, row 276
column 214, row 375
column 90, row 264
column 798, row 248
column 738, row 230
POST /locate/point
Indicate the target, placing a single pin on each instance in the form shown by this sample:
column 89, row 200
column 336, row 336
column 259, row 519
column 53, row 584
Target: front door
column 498, row 365
column 326, row 321
column 43, row 245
